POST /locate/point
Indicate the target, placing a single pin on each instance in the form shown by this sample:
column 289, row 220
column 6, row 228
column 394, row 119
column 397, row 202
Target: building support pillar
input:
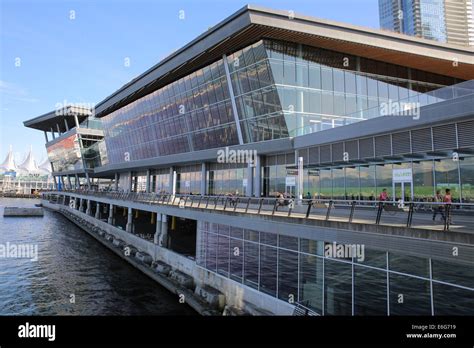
column 156, row 238
column 164, row 231
column 80, row 204
column 116, row 181
column 129, row 225
column 46, row 136
column 97, row 211
column 88, row 210
column 172, row 181
column 249, row 188
column 88, row 181
column 69, row 182
column 110, row 220
column 76, row 121
column 203, row 179
column 130, row 181
column 148, row 182
column 258, row 176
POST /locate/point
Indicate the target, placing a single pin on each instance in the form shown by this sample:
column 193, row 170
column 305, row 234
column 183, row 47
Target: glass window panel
column 384, row 179
column 211, row 252
column 383, row 90
column 423, row 183
column 372, row 88
column 467, row 178
column 350, row 82
column 446, row 175
column 311, row 282
column 277, row 70
column 314, row 77
column 268, row 270
column 449, row 300
column 370, row 291
column 453, row 272
column 338, row 288
column 288, row 276
column 288, row 242
column 409, row 296
column 408, row 264
column 327, row 79
column 268, row 238
column 251, row 255
column 326, row 184
column 302, row 74
column 289, row 71
column 314, row 247
column 338, row 76
column 236, row 259
column 223, row 255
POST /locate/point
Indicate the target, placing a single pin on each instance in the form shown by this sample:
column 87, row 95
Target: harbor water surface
column 74, row 273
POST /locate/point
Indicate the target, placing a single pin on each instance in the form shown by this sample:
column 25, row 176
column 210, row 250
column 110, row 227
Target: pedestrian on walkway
column 448, row 199
column 383, row 195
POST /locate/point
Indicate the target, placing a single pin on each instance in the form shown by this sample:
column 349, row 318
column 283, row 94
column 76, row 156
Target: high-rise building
column 442, row 20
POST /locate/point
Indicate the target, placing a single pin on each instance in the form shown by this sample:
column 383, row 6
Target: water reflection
column 72, row 262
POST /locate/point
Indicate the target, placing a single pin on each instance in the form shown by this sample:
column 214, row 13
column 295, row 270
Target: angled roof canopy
column 251, row 23
column 53, row 119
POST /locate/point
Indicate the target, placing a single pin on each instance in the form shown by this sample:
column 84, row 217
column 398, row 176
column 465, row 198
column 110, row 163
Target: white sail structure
column 9, row 164
column 29, row 166
column 45, row 167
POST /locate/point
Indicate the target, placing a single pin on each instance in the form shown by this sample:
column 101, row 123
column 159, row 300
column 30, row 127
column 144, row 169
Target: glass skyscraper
column 441, row 20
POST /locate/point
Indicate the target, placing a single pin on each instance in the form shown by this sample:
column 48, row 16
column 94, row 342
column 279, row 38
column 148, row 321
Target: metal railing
column 388, row 213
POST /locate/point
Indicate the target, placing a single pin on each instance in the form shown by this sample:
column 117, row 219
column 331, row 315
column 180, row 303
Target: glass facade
column 433, row 21
column 225, row 178
column 190, row 114
column 188, row 179
column 65, row 155
column 280, row 89
column 365, row 182
column 296, row 270
column 95, row 155
column 422, row 18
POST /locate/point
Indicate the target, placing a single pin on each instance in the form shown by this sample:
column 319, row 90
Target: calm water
column 72, row 262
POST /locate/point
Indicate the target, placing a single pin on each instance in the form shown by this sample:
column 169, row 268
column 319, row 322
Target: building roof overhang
column 59, row 118
column 252, row 23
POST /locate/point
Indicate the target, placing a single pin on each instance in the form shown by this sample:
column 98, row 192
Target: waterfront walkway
column 418, row 215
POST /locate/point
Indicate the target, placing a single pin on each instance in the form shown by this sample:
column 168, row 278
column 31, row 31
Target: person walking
column 448, row 199
column 438, row 208
column 383, row 195
column 281, row 201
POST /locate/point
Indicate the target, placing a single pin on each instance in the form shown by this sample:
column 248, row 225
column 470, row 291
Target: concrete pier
column 20, row 211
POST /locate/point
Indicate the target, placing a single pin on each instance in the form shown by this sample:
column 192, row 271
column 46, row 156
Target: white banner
column 402, row 175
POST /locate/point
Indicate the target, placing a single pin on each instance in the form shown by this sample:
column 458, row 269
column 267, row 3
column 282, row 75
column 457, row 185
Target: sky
column 81, row 51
